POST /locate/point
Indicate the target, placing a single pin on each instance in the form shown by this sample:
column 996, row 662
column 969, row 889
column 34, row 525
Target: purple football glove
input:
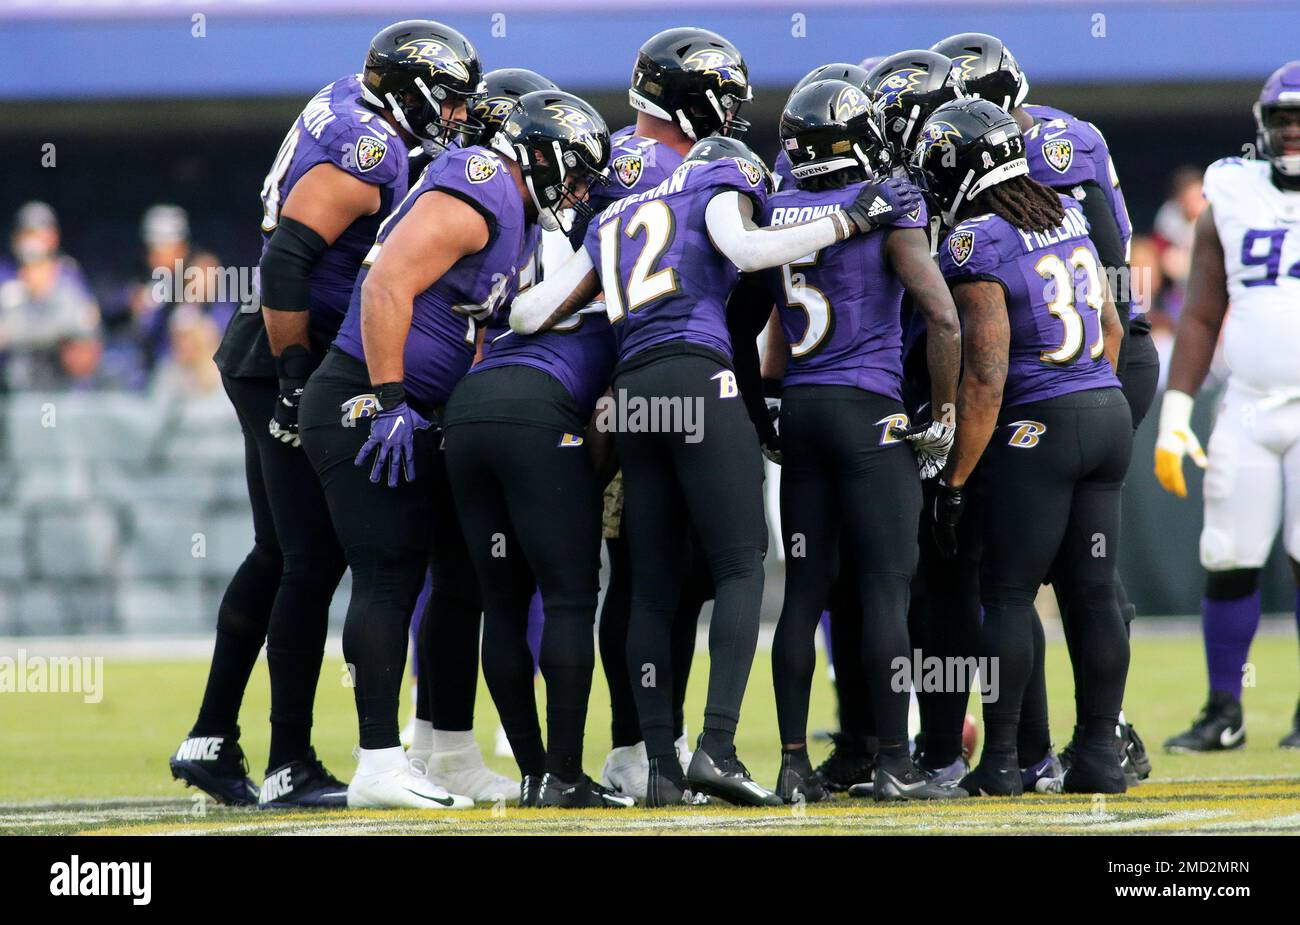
column 392, row 436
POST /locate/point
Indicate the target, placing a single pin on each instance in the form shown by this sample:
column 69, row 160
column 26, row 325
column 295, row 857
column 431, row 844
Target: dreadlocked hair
column 1024, row 203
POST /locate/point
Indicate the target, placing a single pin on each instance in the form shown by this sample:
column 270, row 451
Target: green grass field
column 74, row 767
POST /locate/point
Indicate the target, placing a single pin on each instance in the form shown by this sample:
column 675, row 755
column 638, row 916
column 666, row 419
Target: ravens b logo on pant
column 1026, row 433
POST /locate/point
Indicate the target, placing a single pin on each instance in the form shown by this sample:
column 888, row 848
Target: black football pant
column 389, row 535
column 615, row 612
column 1138, row 381
column 1049, row 504
column 530, row 507
column 281, row 592
column 843, row 475
column 710, row 478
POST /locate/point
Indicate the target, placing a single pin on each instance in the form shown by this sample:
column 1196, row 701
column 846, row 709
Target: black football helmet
column 555, row 137
column 965, row 147
column 720, row 146
column 828, row 127
column 905, row 88
column 412, row 68
column 986, row 67
column 850, row 73
column 694, row 78
column 502, row 89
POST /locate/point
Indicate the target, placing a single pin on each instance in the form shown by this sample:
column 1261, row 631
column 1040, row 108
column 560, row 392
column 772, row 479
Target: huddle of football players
column 422, row 380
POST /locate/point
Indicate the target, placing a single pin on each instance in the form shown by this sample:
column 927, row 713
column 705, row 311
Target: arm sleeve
column 531, row 308
column 285, row 271
column 751, row 248
column 1105, row 234
column 748, row 309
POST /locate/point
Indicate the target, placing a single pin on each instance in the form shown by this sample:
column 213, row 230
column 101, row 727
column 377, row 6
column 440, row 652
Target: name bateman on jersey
column 674, row 184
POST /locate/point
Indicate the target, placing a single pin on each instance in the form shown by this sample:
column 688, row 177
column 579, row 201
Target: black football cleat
column 302, row 784
column 584, row 793
column 530, row 792
column 899, row 780
column 1292, row 739
column 797, row 782
column 1220, row 727
column 666, row 785
column 990, row 781
column 1094, row 770
column 727, row 779
column 849, row 763
column 1134, row 758
column 217, row 766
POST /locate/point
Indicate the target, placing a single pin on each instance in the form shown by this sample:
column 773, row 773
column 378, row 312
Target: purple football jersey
column 840, row 307
column 1054, row 296
column 578, row 351
column 337, row 128
column 1064, row 151
column 663, row 278
column 447, row 315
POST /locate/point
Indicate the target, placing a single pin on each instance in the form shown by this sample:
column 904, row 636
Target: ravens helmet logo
column 718, row 63
column 965, row 65
column 581, row 130
column 937, row 134
column 961, row 244
column 850, row 102
column 438, row 56
column 494, row 109
column 896, row 84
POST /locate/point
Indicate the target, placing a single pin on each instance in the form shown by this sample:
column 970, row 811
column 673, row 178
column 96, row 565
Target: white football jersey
column 1259, row 228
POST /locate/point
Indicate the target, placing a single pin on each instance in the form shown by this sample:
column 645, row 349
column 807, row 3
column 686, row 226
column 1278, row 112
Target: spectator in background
column 188, row 371
column 49, row 321
column 1173, row 233
column 165, row 230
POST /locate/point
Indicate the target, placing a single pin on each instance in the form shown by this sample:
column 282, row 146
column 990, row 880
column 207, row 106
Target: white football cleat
column 627, row 770
column 461, row 770
column 402, row 786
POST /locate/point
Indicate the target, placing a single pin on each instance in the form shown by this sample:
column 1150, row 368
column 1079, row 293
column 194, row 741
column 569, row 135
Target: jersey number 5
column 654, row 221
column 1053, row 269
column 812, row 301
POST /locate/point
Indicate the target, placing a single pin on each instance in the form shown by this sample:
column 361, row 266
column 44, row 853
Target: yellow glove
column 1176, row 439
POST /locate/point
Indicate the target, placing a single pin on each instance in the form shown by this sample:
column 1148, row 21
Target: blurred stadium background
column 145, row 128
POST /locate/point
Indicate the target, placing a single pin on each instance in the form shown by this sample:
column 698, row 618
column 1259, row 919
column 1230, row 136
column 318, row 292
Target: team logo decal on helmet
column 895, row 85
column 718, row 63
column 494, row 108
column 480, row 168
column 1059, row 153
column 581, row 128
column 370, row 152
column 961, row 244
column 937, row 134
column 628, row 169
column 851, row 102
column 436, row 54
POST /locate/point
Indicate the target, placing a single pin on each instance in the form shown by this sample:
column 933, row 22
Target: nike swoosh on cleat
column 439, row 800
column 1227, row 738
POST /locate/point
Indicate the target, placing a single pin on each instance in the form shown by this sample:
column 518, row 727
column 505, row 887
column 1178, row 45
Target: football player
column 1069, row 155
column 1246, row 251
column 845, row 471
column 1040, row 341
column 836, row 71
column 529, row 500
column 669, row 259
column 446, row 690
column 444, row 261
column 339, row 172
column 678, row 101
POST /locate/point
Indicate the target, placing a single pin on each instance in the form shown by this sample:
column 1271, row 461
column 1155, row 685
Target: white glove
column 932, row 442
column 1176, row 439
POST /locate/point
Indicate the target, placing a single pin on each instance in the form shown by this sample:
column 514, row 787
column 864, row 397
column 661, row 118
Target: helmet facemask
column 558, row 182
column 419, row 110
column 1277, row 124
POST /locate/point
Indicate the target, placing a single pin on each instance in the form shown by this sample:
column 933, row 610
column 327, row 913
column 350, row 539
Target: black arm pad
column 286, row 266
column 1104, row 231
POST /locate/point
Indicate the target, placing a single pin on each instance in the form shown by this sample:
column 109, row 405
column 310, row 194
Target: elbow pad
column 285, row 271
